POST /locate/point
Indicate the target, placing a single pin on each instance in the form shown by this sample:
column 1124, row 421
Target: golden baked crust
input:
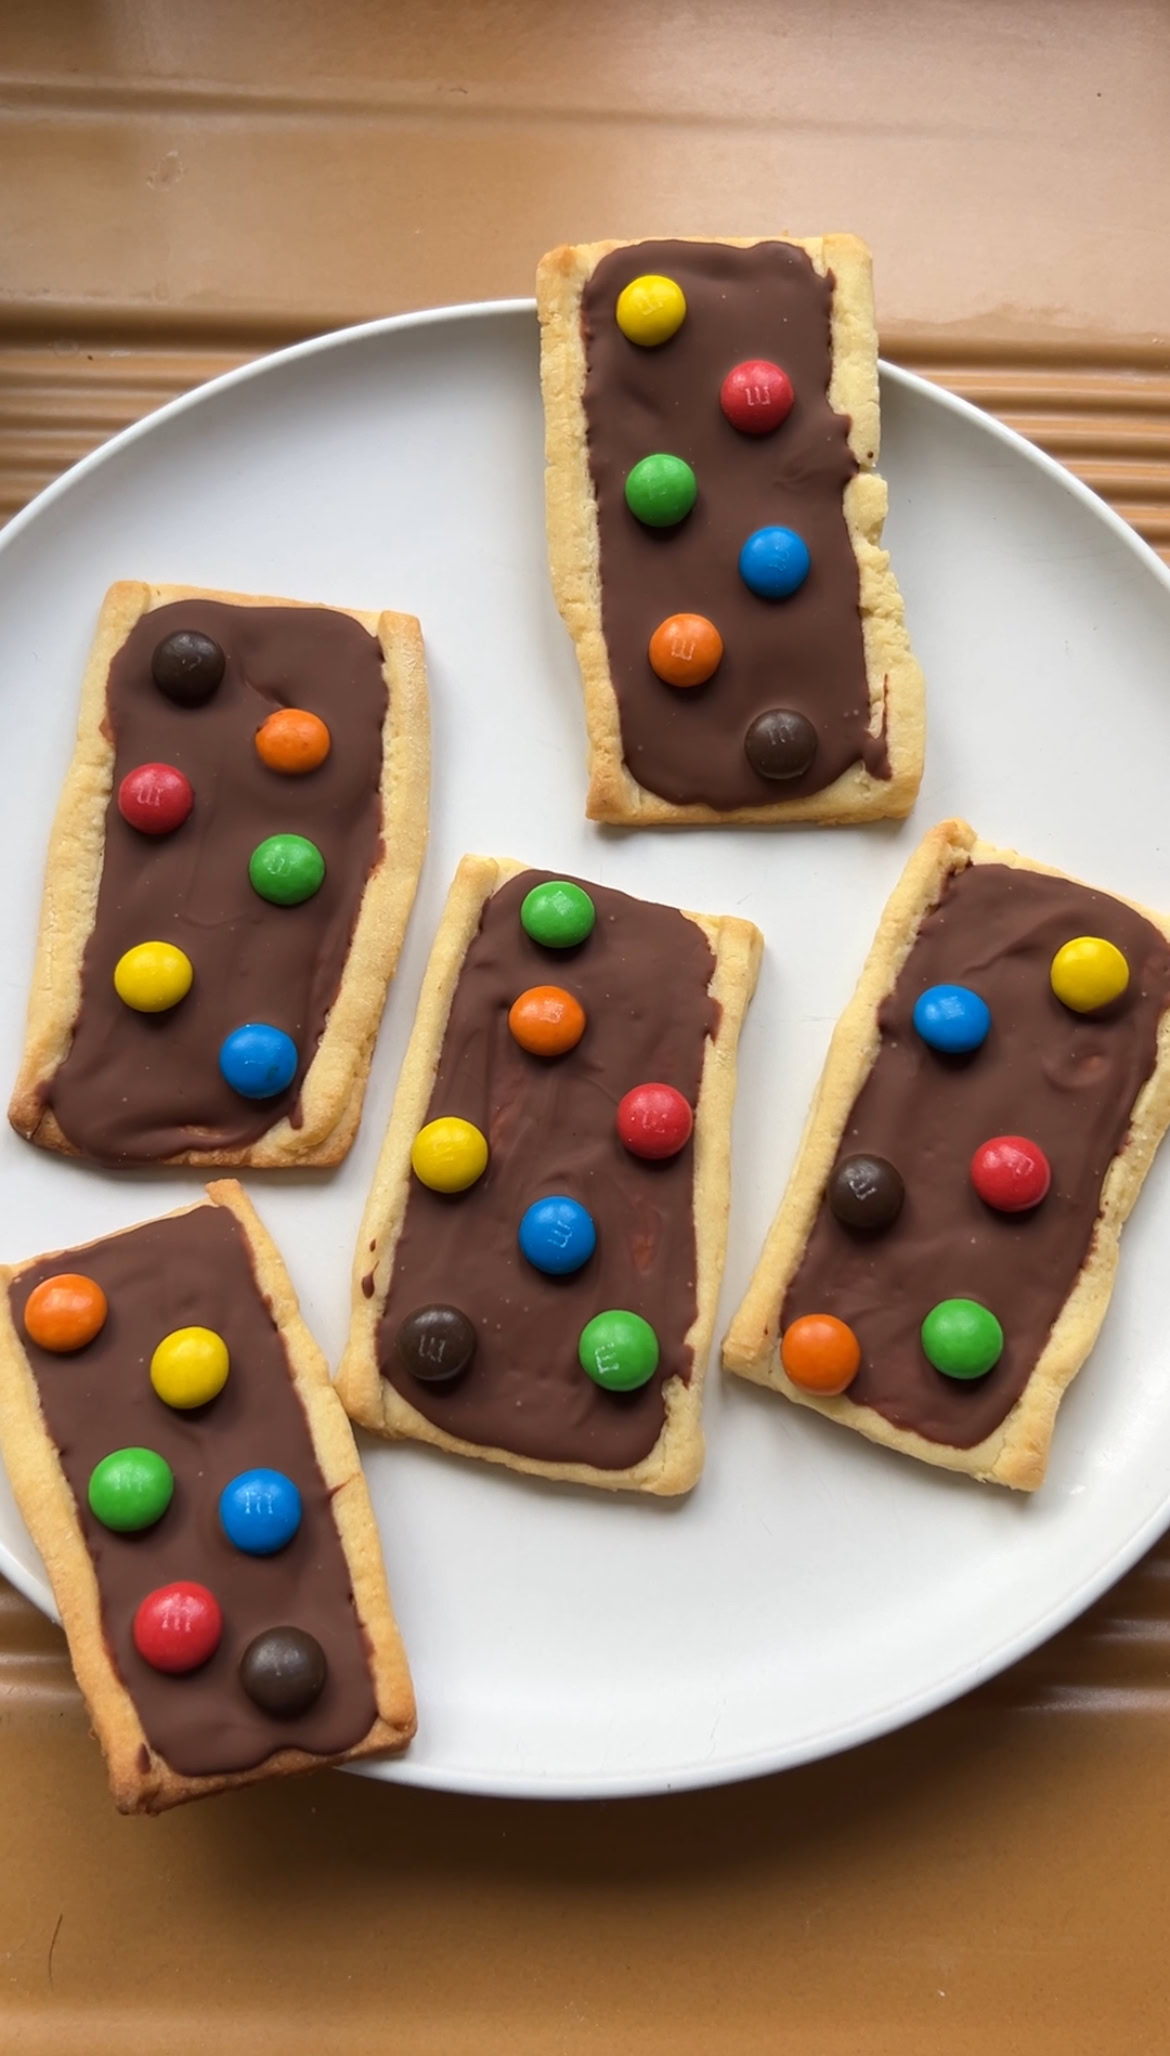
column 143, row 1781
column 895, row 681
column 334, row 1084
column 674, row 1464
column 1016, row 1453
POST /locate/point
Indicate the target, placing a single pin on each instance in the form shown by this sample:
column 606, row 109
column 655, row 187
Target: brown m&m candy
column 283, row 1671
column 187, row 667
column 780, row 744
column 436, row 1344
column 866, row 1192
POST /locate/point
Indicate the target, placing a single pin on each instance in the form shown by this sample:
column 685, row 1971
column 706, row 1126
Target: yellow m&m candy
column 189, row 1367
column 449, row 1154
column 650, row 309
column 152, row 977
column 1089, row 973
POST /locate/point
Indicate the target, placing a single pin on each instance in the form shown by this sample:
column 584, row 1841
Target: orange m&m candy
column 65, row 1312
column 686, row 649
column 820, row 1353
column 547, row 1021
column 293, row 741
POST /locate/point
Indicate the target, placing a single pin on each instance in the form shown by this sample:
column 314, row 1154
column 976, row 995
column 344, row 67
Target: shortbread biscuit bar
column 814, row 711
column 279, row 884
column 90, row 1443
column 991, row 1103
column 445, row 1281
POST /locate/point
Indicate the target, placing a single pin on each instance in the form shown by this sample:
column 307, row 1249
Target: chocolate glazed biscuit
column 172, row 1737
column 803, row 653
column 550, row 1126
column 1090, row 1090
column 814, row 711
column 493, row 1369
column 103, row 1080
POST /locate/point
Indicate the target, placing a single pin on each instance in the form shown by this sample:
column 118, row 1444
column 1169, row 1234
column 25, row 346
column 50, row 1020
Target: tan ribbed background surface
column 183, row 187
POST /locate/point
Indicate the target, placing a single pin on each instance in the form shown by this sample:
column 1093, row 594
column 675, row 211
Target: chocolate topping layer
column 136, row 1087
column 804, row 653
column 195, row 1270
column 1066, row 1081
column 642, row 978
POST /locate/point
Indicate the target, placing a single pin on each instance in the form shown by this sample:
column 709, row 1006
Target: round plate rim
column 897, row 1712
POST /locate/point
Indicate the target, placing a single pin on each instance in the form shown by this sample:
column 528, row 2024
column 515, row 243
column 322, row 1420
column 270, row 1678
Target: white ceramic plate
column 814, row 1590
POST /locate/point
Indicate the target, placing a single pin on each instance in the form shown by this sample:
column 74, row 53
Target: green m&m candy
column 962, row 1339
column 661, row 490
column 557, row 915
column 130, row 1489
column 286, row 869
column 619, row 1350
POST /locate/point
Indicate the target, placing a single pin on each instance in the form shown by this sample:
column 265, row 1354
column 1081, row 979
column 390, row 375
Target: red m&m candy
column 1010, row 1173
column 155, row 798
column 654, row 1121
column 177, row 1627
column 756, row 397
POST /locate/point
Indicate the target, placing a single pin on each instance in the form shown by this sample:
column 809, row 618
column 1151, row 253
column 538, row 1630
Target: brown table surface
column 181, row 187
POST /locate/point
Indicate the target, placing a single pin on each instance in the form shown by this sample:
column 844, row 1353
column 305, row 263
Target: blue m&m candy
column 260, row 1511
column 951, row 1018
column 557, row 1235
column 258, row 1061
column 774, row 563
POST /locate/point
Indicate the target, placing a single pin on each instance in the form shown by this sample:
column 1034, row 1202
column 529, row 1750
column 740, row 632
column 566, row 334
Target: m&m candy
column 780, row 743
column 774, row 563
column 547, row 1021
column 449, row 1154
column 661, row 490
column 962, row 1339
column 686, row 649
column 283, row 1671
column 187, row 667
column 65, row 1312
column 436, row 1344
column 650, row 309
column 153, row 976
column 1010, row 1173
column 820, row 1354
column 654, row 1121
column 952, row 1019
column 619, row 1350
column 178, row 1627
column 189, row 1367
column 1089, row 973
column 557, row 915
column 293, row 741
column 257, row 1060
column 155, row 798
column 557, row 1236
column 756, row 396
column 286, row 869
column 866, row 1192
column 260, row 1511
column 130, row 1490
